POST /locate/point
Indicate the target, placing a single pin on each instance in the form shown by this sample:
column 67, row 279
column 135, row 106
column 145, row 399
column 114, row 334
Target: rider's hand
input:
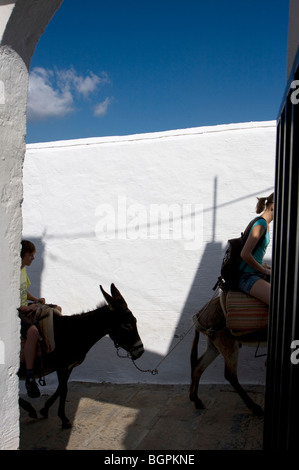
column 266, row 271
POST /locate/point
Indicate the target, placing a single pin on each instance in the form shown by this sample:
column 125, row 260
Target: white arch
column 22, row 22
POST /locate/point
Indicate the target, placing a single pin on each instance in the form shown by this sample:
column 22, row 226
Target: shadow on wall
column 205, row 278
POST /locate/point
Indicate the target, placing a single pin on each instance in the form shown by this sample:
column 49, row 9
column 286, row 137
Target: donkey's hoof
column 32, row 414
column 197, row 403
column 66, row 425
column 257, row 410
column 44, row 413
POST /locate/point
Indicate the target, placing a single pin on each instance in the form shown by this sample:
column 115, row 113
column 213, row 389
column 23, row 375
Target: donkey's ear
column 117, row 295
column 110, row 301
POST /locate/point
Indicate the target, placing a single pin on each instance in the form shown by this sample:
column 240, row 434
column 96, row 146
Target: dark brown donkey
column 75, row 335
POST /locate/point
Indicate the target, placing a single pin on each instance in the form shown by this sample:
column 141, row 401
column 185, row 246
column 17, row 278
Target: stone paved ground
column 146, row 417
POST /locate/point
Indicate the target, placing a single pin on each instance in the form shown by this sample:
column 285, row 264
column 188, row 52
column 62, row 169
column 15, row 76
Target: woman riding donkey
column 28, row 330
column 246, row 318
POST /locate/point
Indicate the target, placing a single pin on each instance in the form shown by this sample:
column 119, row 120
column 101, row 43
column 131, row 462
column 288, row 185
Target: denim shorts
column 247, row 280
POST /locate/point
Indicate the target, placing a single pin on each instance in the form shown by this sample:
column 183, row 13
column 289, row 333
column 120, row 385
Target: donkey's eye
column 127, row 326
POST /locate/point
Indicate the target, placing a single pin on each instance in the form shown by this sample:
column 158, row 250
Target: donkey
column 220, row 340
column 75, row 335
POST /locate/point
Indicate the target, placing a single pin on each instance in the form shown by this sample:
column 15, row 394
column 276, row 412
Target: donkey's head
column 123, row 326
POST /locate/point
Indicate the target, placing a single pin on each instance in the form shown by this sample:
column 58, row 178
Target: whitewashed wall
column 89, row 206
column 13, row 99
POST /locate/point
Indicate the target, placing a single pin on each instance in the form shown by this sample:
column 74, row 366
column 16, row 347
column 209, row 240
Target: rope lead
column 154, row 371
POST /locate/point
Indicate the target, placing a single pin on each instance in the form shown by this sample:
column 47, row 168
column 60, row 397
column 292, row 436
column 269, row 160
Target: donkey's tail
column 193, row 356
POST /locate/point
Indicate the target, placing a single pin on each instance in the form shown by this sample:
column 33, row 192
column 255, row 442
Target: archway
column 22, row 23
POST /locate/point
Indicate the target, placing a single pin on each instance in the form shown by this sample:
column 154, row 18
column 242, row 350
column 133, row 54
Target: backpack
column 230, row 272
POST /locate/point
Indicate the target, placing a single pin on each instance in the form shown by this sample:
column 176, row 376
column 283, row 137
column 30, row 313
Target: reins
column 155, row 371
column 128, row 356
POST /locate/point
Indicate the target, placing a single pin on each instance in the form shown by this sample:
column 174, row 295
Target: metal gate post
column 282, row 380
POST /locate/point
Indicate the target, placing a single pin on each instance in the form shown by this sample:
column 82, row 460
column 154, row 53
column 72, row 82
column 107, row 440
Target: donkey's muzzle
column 137, row 350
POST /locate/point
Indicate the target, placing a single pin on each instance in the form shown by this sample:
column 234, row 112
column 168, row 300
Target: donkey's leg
column 27, row 407
column 63, row 376
column 61, row 392
column 198, row 368
column 229, row 348
column 45, row 410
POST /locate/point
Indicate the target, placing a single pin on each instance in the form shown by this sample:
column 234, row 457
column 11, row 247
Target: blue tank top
column 261, row 249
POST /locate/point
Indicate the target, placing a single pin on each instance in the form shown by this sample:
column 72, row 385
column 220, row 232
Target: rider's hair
column 27, row 247
column 263, row 203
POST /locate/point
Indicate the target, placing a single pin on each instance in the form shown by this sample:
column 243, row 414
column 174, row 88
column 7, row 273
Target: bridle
column 128, row 356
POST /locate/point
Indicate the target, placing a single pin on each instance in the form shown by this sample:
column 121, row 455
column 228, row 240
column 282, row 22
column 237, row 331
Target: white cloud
column 101, row 108
column 69, row 79
column 45, row 101
column 52, row 93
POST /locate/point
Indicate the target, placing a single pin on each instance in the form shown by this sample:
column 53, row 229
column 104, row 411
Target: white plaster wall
column 13, row 83
column 73, row 188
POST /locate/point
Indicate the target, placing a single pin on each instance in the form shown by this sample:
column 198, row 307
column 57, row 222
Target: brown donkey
column 220, row 340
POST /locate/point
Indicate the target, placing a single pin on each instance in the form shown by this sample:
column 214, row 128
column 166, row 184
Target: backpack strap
column 247, row 231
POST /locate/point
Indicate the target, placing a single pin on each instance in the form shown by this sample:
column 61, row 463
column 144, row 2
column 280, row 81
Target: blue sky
column 124, row 67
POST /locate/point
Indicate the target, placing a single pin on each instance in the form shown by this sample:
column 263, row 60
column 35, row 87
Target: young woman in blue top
column 254, row 275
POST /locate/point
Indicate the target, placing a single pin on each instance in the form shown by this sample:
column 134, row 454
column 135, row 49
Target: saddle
column 244, row 313
column 240, row 313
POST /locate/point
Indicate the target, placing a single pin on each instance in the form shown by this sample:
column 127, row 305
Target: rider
column 28, row 331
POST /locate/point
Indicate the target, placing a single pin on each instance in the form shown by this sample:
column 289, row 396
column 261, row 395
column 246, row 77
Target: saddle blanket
column 44, row 317
column 245, row 313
